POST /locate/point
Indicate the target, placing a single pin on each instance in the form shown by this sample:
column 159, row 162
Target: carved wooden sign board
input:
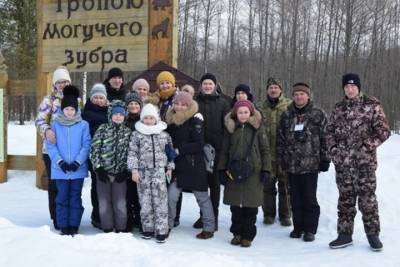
column 95, row 35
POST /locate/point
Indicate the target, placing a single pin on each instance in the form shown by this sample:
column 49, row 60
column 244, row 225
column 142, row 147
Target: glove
column 171, row 153
column 324, row 166
column 264, row 177
column 121, row 176
column 74, row 166
column 222, row 177
column 64, row 166
column 101, row 174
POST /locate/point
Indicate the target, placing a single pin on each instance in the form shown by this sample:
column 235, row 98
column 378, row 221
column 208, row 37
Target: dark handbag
column 240, row 169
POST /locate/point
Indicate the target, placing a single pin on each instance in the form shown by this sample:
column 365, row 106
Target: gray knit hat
column 98, row 89
column 133, row 96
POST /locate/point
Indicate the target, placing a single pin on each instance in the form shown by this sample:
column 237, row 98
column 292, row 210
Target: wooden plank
column 3, row 163
column 21, row 87
column 163, row 47
column 21, row 163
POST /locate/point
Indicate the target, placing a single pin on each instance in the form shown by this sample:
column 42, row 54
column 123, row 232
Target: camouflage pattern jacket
column 356, row 128
column 271, row 115
column 301, row 151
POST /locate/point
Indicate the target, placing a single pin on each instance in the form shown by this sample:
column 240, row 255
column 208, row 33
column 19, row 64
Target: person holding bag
column 244, row 167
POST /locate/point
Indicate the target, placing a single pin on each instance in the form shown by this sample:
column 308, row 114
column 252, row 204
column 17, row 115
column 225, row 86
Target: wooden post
column 3, row 157
column 163, row 33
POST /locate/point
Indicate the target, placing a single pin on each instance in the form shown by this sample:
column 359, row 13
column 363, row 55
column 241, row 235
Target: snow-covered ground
column 28, row 239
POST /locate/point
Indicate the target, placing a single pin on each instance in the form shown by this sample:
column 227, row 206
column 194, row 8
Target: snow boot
column 65, row 231
column 147, row 235
column 269, row 220
column 296, row 234
column 375, row 242
column 342, row 241
column 161, row 238
column 205, row 235
column 176, row 222
column 236, row 240
column 73, row 230
column 285, row 222
column 308, row 237
column 245, row 243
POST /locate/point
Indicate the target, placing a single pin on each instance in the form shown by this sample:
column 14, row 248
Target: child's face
column 240, row 95
column 165, row 85
column 69, row 112
column 243, row 114
column 178, row 106
column 133, row 107
column 99, row 100
column 149, row 120
column 118, row 118
column 142, row 91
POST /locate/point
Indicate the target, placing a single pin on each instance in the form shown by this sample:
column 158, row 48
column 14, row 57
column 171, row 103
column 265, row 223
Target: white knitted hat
column 61, row 73
column 150, row 110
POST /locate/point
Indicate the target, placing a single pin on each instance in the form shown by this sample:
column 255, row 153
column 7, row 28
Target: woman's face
column 60, row 85
column 165, row 85
column 179, row 106
column 243, row 114
column 134, row 107
column 142, row 91
column 99, row 100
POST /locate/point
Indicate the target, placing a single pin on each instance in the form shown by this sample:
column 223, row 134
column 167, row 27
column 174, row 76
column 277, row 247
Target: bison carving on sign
column 161, row 4
column 162, row 27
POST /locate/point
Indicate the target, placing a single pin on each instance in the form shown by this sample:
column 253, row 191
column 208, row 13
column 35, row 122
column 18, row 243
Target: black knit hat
column 351, row 78
column 70, row 98
column 115, row 72
column 133, row 96
column 208, row 76
column 246, row 89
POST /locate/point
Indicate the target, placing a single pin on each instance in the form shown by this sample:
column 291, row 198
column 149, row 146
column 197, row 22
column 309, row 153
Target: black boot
column 65, row 231
column 73, row 230
column 308, row 237
column 342, row 241
column 375, row 242
column 296, row 234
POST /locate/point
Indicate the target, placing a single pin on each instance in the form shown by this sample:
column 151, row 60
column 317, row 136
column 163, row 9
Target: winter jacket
column 186, row 130
column 213, row 108
column 301, row 152
column 356, row 128
column 271, row 114
column 110, row 145
column 73, row 144
column 47, row 111
column 147, row 151
column 114, row 94
column 94, row 115
column 237, row 139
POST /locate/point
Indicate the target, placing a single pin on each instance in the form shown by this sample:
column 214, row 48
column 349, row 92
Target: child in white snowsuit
column 148, row 161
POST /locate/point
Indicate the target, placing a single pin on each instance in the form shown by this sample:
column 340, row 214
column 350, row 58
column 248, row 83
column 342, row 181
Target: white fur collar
column 153, row 129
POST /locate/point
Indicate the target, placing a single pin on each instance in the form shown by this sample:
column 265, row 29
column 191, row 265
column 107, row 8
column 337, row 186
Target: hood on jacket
column 178, row 118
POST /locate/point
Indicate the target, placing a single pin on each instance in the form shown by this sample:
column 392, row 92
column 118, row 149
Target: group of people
column 144, row 148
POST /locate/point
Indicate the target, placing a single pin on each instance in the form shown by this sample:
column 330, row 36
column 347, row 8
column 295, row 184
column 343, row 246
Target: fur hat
column 150, row 110
column 184, row 98
column 60, row 74
column 351, row 78
column 275, row 81
column 133, row 96
column 98, row 89
column 70, row 99
column 165, row 76
column 140, row 83
column 303, row 87
column 243, row 103
column 208, row 76
column 115, row 72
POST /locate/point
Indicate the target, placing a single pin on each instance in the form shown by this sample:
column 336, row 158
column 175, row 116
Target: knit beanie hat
column 303, row 87
column 140, row 83
column 165, row 76
column 183, row 98
column 351, row 78
column 116, row 106
column 243, row 103
column 70, row 99
column 98, row 89
column 244, row 88
column 188, row 88
column 118, row 110
column 150, row 110
column 115, row 72
column 133, row 96
column 61, row 73
column 208, row 76
column 275, row 81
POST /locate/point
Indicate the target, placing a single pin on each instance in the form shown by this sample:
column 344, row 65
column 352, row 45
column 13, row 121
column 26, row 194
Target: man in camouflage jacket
column 302, row 151
column 357, row 126
column 271, row 110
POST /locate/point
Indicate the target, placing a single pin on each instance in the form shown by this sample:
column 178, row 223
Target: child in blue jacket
column 69, row 157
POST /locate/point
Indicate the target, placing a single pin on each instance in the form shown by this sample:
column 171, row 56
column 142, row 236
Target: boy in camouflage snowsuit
column 357, row 126
column 148, row 161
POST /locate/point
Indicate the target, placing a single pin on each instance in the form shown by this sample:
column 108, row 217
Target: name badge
column 299, row 127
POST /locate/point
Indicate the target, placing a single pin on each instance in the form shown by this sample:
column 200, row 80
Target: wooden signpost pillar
column 3, row 125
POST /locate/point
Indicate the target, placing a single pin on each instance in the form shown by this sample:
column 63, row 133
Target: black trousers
column 51, row 189
column 244, row 222
column 132, row 205
column 215, row 191
column 303, row 198
column 95, row 216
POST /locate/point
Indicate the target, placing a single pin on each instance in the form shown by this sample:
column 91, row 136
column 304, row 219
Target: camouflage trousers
column 270, row 192
column 352, row 184
column 153, row 198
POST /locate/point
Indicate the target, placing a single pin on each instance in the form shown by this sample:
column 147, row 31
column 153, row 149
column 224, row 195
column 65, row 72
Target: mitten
column 324, row 166
column 64, row 166
column 74, row 166
column 170, row 152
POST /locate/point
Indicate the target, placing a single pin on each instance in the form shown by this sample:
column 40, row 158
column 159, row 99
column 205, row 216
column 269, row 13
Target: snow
column 27, row 235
